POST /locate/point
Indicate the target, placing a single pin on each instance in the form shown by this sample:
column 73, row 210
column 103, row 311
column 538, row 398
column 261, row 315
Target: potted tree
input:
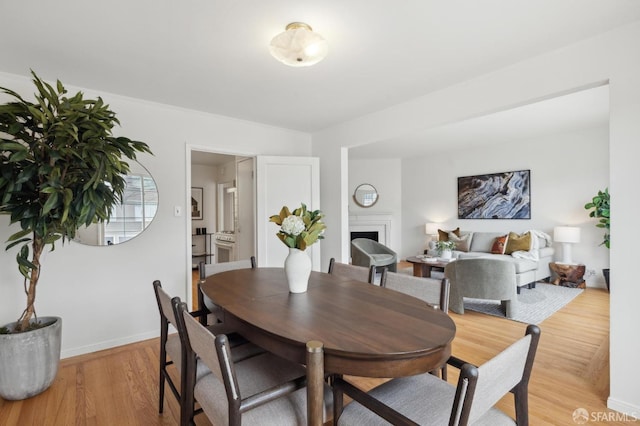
column 599, row 207
column 60, row 169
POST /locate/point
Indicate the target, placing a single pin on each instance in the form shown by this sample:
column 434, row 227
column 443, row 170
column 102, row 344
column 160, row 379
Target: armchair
column 367, row 253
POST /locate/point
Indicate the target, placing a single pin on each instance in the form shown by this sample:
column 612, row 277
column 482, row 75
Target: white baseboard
column 107, row 344
column 633, row 411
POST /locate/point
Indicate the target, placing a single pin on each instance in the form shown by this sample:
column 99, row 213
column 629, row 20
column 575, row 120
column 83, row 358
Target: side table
column 568, row 275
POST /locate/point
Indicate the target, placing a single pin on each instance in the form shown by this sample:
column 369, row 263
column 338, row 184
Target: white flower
column 292, row 225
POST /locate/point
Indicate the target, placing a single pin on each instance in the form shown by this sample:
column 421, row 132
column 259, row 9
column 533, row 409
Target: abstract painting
column 504, row 195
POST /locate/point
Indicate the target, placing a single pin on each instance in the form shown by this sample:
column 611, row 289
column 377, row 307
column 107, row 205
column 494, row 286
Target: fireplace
column 371, row 224
column 372, row 235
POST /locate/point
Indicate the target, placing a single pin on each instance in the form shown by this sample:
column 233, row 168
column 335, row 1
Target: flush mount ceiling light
column 298, row 46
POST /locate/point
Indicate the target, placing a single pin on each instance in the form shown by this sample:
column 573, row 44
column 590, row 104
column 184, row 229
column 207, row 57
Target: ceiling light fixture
column 298, row 46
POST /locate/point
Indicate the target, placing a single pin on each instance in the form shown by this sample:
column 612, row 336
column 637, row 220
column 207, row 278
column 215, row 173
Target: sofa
column 530, row 252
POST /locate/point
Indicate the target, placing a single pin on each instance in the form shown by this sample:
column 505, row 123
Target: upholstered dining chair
column 207, row 269
column 262, row 390
column 170, row 349
column 366, row 252
column 359, row 273
column 471, row 402
column 482, row 278
column 172, row 352
column 434, row 292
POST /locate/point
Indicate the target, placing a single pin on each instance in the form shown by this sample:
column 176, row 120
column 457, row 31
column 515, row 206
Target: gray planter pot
column 29, row 361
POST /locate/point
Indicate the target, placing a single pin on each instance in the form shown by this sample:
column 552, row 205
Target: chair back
column 198, row 340
column 434, row 292
column 164, row 303
column 207, row 269
column 480, row 388
column 482, row 278
column 358, row 273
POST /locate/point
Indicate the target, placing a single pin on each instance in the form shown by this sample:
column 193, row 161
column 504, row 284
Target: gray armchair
column 482, row 278
column 367, row 253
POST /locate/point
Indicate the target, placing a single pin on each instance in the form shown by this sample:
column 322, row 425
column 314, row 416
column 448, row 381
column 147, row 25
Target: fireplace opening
column 372, row 235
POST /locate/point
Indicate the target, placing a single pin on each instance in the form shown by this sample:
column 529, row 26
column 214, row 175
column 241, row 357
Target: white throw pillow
column 463, row 242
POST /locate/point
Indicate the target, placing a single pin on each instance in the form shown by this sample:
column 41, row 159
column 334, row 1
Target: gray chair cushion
column 430, row 403
column 255, row 375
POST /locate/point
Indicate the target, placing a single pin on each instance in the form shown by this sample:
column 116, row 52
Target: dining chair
column 207, row 269
column 170, row 348
column 434, row 292
column 471, row 402
column 261, row 390
column 171, row 344
column 359, row 273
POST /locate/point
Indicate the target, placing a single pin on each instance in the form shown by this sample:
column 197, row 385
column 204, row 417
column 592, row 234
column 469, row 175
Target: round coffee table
column 422, row 267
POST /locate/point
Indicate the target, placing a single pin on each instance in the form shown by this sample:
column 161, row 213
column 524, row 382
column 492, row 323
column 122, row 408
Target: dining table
column 339, row 326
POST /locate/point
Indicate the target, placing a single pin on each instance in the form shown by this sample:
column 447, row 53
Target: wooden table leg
column 315, row 383
column 421, row 270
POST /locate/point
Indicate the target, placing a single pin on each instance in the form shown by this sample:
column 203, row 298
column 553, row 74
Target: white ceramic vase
column 297, row 268
column 446, row 254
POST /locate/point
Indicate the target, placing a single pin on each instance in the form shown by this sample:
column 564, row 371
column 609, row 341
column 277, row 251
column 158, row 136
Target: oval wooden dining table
column 364, row 330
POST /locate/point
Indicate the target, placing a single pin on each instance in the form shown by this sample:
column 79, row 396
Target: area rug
column 535, row 305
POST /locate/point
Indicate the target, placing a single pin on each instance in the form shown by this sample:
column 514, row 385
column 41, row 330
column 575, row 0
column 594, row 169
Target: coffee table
column 422, row 267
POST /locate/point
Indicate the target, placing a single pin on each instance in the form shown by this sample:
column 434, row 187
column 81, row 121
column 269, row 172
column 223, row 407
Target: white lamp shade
column 566, row 234
column 298, row 46
column 431, row 228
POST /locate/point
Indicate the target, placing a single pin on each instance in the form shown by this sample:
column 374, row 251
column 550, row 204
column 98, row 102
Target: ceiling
column 213, row 55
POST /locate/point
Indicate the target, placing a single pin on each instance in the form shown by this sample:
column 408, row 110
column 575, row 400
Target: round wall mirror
column 132, row 216
column 365, row 195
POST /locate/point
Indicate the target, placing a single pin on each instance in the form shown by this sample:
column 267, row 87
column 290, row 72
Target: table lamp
column 431, row 229
column 566, row 235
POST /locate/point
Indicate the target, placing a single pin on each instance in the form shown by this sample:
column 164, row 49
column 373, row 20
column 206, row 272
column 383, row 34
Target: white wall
column 612, row 57
column 566, row 171
column 385, row 176
column 104, row 294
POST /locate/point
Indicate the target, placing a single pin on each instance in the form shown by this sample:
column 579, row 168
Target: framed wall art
column 505, row 195
column 196, row 203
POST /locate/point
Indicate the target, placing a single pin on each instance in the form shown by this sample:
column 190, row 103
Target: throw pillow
column 444, row 235
column 499, row 244
column 462, row 242
column 517, row 242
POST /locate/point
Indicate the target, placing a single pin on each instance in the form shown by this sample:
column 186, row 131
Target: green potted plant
column 60, row 169
column 444, row 248
column 600, row 209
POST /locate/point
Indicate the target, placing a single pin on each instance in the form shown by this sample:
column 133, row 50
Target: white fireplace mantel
column 380, row 223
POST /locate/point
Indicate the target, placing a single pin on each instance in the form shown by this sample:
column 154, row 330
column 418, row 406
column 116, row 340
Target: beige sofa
column 530, row 266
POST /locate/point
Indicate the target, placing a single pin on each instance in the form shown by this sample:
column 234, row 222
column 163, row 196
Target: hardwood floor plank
column 119, row 386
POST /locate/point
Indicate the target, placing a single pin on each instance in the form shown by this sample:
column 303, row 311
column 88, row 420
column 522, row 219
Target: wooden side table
column 568, row 275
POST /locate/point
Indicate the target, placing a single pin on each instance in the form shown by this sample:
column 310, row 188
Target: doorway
column 222, row 226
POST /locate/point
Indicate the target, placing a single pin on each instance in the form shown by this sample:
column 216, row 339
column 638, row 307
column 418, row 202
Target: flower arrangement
column 445, row 245
column 301, row 228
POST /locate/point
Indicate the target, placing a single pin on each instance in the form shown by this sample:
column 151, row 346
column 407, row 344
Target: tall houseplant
column 600, row 208
column 60, row 169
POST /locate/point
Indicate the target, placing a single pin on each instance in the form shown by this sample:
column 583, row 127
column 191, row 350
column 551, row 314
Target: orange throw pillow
column 499, row 245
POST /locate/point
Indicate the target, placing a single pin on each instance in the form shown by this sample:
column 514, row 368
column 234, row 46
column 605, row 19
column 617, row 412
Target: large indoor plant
column 600, row 209
column 298, row 230
column 60, row 169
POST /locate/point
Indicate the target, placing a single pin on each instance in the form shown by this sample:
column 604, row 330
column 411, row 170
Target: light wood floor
column 119, row 386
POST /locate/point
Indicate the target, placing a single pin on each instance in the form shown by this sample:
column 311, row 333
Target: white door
column 284, row 181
